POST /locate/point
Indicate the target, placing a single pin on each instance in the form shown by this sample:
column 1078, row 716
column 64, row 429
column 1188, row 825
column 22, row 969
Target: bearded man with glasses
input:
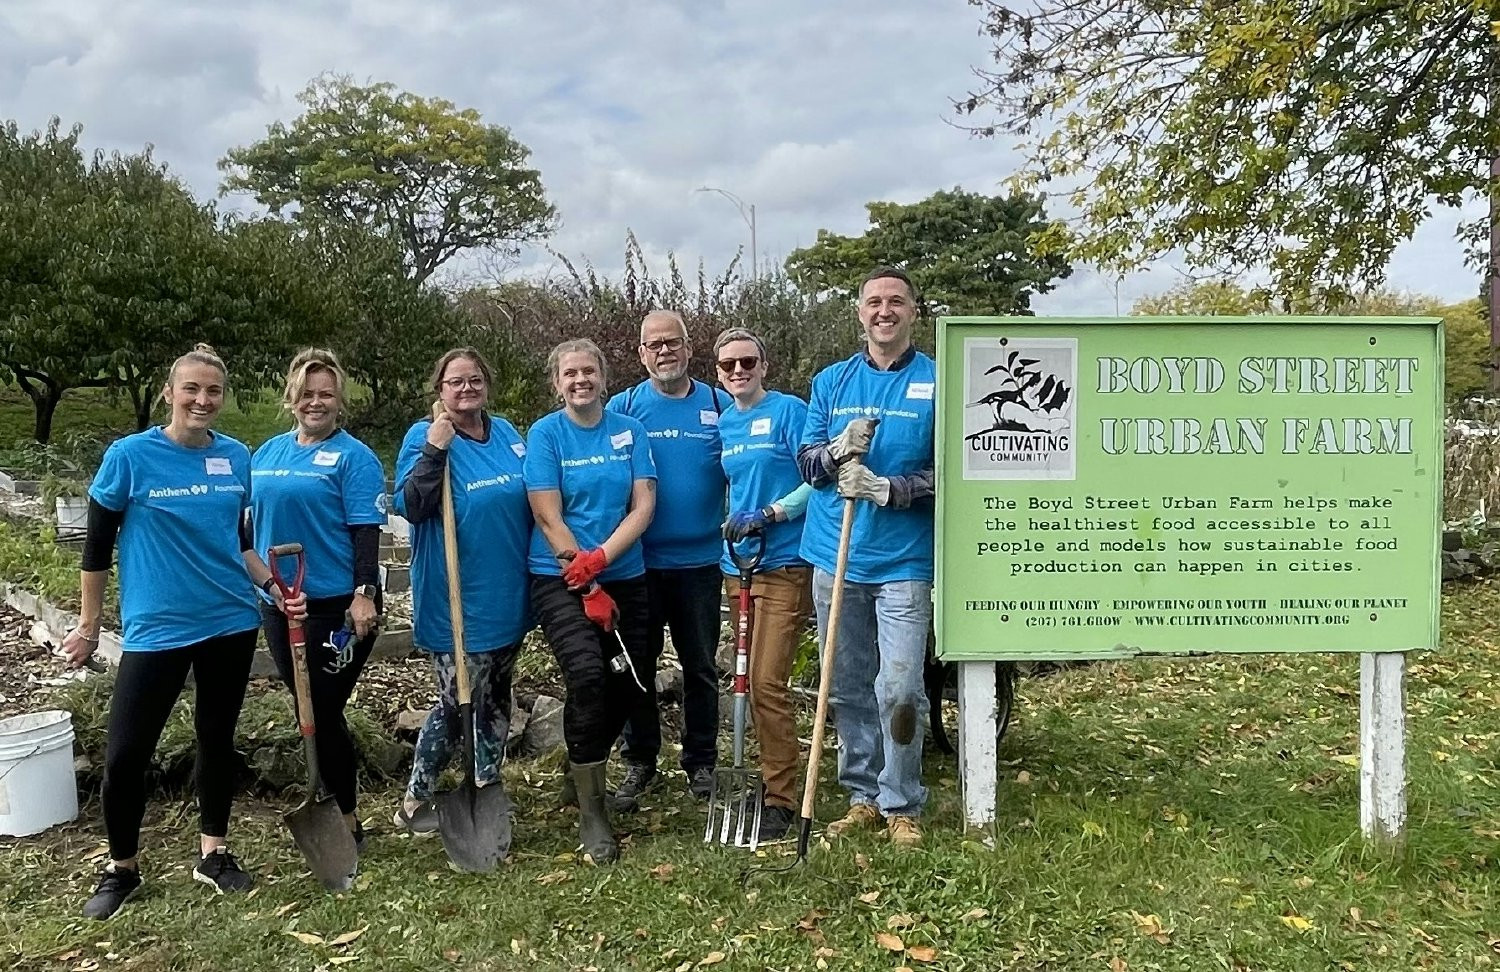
column 682, row 549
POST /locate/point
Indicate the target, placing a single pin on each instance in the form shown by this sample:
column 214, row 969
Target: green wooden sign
column 1115, row 487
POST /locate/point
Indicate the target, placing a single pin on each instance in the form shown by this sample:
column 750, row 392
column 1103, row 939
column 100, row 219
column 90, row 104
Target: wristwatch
column 366, row 590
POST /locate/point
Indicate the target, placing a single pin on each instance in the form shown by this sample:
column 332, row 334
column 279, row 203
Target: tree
column 1307, row 138
column 967, row 253
column 432, row 178
column 43, row 179
column 1465, row 348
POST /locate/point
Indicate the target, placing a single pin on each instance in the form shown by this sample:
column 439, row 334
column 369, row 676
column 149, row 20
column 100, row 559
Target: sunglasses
column 748, row 363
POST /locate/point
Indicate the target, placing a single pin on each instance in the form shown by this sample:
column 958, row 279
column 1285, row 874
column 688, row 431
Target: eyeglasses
column 664, row 344
column 747, row 363
column 473, row 381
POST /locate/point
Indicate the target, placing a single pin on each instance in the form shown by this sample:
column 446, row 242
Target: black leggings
column 598, row 699
column 146, row 687
column 331, row 677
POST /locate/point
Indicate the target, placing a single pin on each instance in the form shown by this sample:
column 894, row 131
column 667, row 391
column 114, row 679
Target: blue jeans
column 880, row 705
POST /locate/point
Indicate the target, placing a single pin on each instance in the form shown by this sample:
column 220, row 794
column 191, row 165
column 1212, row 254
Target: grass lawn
column 1155, row 815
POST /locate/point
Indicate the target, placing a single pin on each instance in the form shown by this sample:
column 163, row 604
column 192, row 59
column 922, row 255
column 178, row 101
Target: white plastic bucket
column 37, row 786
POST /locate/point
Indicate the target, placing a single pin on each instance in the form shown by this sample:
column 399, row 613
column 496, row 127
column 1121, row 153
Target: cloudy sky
column 808, row 110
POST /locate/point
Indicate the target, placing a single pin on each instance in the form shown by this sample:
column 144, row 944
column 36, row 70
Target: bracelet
column 265, row 585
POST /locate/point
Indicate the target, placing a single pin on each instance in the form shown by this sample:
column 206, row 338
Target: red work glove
column 584, row 567
column 600, row 608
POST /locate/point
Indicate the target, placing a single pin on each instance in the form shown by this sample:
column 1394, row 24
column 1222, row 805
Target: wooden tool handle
column 450, row 560
column 825, row 672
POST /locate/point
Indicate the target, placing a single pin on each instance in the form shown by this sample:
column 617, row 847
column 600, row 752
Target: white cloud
column 809, row 111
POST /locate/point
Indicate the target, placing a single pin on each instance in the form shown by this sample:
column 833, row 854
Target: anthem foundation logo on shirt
column 1020, row 408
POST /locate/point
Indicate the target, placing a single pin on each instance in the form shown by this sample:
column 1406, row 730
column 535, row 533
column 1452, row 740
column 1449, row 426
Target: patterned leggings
column 489, row 691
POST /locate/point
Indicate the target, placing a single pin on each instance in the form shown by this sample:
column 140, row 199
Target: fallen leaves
column 663, row 872
column 712, row 958
column 1151, row 927
column 974, row 914
column 1296, row 922
column 890, row 942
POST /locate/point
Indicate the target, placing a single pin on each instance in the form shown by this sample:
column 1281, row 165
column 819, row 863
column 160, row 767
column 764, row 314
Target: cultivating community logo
column 1020, row 408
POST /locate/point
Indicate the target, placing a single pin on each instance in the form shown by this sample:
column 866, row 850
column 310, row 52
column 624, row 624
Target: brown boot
column 861, row 816
column 904, row 831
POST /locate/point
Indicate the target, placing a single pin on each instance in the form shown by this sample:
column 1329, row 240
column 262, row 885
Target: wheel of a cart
column 941, row 679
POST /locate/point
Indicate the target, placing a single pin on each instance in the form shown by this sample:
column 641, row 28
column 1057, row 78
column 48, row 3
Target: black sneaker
column 701, row 782
column 775, row 822
column 116, row 886
column 638, row 778
column 220, row 871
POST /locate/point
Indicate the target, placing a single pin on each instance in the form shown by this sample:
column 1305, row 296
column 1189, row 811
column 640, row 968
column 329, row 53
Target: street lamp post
column 747, row 213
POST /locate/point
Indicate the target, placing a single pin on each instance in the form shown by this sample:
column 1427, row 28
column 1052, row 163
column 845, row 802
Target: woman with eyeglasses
column 319, row 486
column 592, row 485
column 767, row 497
column 482, row 454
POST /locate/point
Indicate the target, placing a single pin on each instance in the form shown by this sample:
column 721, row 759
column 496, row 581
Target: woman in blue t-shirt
column 767, row 498
column 173, row 497
column 592, row 486
column 319, row 486
column 482, row 454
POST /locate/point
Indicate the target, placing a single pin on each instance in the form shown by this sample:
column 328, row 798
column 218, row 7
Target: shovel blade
column 324, row 839
column 734, row 808
column 474, row 822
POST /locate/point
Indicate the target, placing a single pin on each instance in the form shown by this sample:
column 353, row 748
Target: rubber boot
column 593, row 819
column 568, row 796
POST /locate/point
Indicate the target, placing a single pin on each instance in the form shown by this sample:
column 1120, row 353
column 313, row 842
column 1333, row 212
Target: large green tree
column 1309, row 138
column 434, row 179
column 967, row 253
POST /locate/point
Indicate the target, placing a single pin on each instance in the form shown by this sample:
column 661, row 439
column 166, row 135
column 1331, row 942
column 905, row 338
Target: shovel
column 474, row 821
column 734, row 807
column 317, row 824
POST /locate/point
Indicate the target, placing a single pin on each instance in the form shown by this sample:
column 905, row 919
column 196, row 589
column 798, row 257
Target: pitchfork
column 735, row 806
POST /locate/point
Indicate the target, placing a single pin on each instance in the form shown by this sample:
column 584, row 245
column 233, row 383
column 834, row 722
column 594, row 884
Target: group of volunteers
column 605, row 526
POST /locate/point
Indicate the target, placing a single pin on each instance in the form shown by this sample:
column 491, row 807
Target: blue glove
column 741, row 525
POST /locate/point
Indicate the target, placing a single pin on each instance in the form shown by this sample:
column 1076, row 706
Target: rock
column 1489, row 555
column 1461, row 555
column 519, row 717
column 409, row 722
column 1451, row 570
column 669, row 684
column 544, row 728
column 1452, row 540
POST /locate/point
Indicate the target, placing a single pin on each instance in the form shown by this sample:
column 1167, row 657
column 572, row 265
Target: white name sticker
column 217, row 466
column 321, row 458
column 519, row 448
column 919, row 389
column 621, row 440
column 707, row 416
column 760, row 426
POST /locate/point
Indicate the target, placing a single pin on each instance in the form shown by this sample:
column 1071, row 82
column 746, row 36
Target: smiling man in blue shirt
column 682, row 547
column 877, row 692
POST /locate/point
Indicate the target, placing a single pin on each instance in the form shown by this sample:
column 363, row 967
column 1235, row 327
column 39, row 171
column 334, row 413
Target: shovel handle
column 450, row 561
column 296, row 635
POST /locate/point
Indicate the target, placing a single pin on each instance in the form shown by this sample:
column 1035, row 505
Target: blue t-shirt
column 595, row 470
column 690, row 482
column 887, row 544
column 312, row 494
column 182, row 578
column 493, row 521
column 760, row 459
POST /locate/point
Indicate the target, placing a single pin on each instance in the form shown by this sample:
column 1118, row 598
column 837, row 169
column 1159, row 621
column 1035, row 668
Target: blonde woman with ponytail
column 174, row 498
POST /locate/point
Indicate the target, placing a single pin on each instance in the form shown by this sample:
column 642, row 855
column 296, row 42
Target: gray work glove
column 853, row 441
column 857, row 482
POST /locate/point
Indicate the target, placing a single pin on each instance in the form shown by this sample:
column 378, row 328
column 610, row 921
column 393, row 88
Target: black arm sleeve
column 99, row 541
column 423, row 489
column 366, row 554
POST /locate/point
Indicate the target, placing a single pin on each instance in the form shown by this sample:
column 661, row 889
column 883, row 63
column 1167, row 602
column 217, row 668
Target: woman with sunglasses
column 766, row 500
column 593, row 491
column 319, row 486
column 482, row 454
